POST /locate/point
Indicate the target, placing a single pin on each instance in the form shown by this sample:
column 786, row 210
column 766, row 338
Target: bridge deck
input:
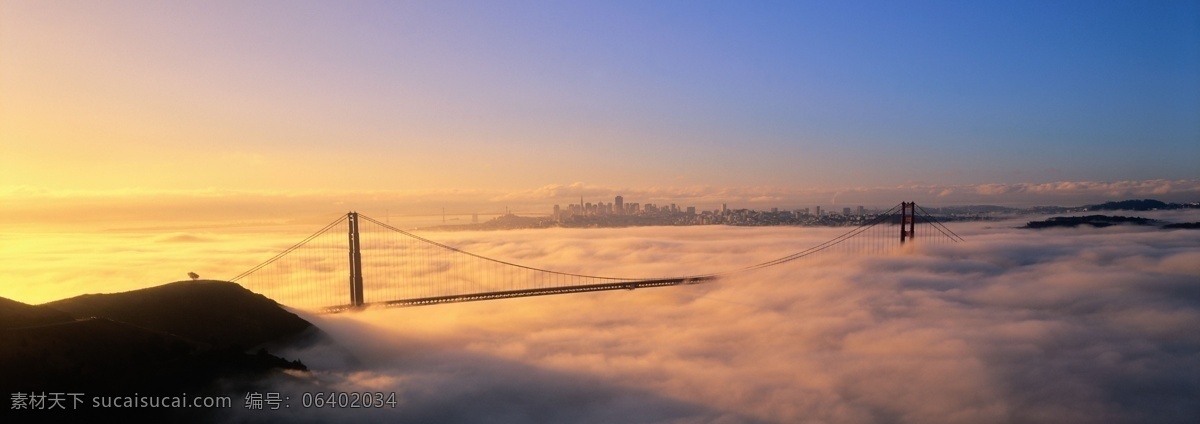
column 626, row 285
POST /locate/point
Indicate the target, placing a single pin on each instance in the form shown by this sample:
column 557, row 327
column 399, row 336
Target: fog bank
column 1064, row 326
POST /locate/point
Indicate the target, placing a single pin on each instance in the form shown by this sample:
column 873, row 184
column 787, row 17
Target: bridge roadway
column 625, row 285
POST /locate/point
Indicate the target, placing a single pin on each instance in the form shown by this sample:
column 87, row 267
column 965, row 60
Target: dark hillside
column 218, row 313
column 196, row 337
column 15, row 314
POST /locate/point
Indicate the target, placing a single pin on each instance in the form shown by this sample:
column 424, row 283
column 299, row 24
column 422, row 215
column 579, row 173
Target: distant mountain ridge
column 16, row 314
column 1136, row 205
column 1130, row 205
column 1097, row 221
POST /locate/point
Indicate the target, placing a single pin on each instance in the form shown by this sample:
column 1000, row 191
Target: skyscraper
column 620, row 205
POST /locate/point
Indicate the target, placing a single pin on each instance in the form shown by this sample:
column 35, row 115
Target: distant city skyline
column 28, row 207
column 619, row 207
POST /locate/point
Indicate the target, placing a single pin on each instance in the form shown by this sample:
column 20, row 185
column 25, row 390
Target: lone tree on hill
column 194, row 276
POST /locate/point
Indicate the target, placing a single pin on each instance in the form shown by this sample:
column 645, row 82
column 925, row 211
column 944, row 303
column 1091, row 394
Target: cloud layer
column 1063, row 326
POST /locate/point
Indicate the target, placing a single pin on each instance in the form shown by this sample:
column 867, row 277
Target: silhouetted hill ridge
column 218, row 313
column 1135, row 205
column 15, row 314
column 1098, row 221
column 189, row 336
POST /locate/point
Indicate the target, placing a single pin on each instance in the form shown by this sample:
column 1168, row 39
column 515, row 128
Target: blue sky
column 517, row 95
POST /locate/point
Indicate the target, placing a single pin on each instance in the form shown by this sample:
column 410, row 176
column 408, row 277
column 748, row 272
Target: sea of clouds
column 1056, row 326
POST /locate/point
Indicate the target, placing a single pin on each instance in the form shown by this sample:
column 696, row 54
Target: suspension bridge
column 357, row 261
